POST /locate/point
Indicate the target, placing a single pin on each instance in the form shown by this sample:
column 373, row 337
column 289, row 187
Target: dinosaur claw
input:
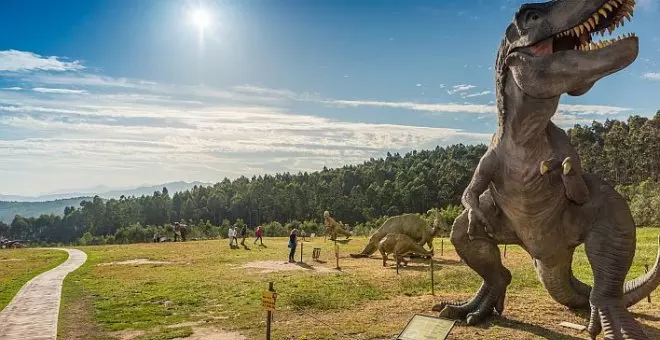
column 567, row 165
column 545, row 167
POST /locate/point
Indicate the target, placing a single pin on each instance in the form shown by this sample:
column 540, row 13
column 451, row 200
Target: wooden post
column 432, row 283
column 442, row 247
column 505, row 251
column 301, row 250
column 269, row 317
column 646, row 270
column 396, row 258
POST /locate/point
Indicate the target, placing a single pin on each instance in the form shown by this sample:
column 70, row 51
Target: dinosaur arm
column 481, row 178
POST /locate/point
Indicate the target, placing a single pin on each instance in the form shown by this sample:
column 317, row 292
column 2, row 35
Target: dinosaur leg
column 557, row 277
column 610, row 247
column 483, row 256
column 383, row 254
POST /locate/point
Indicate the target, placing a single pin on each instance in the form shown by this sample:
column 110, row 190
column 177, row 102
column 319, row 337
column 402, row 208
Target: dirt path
column 33, row 312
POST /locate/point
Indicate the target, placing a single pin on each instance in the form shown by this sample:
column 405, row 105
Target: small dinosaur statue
column 548, row 50
column 333, row 228
column 400, row 245
column 411, row 225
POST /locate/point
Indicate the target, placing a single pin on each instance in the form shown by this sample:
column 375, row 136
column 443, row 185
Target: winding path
column 33, row 312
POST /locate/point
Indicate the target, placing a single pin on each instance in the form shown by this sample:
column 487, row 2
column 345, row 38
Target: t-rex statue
column 400, row 245
column 411, row 225
column 333, row 228
column 548, row 50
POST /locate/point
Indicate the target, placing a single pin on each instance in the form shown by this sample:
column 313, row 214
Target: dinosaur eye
column 535, row 17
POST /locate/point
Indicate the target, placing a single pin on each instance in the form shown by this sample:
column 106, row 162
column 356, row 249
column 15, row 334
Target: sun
column 200, row 18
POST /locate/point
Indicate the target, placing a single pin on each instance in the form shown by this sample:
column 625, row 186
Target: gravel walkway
column 33, row 312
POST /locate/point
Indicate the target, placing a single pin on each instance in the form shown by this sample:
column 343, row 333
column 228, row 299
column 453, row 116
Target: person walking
column 259, row 234
column 243, row 235
column 293, row 242
column 232, row 236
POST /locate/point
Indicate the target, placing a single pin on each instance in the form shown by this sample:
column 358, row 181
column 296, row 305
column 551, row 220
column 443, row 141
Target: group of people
column 234, row 234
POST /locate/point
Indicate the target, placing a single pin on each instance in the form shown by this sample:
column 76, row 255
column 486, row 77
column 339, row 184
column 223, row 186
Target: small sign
column 268, row 299
column 422, row 327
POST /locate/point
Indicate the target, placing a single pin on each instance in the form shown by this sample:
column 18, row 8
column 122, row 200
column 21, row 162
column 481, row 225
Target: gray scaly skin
column 400, row 245
column 509, row 202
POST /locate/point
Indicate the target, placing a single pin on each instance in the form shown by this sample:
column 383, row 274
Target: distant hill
column 26, row 206
column 34, row 209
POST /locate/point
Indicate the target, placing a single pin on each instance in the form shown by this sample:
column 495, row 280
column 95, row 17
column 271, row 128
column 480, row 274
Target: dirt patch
column 276, row 266
column 134, row 262
column 212, row 333
column 127, row 334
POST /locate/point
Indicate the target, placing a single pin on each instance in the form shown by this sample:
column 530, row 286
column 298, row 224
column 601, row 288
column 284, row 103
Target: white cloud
column 592, row 109
column 13, row 88
column 129, row 138
column 460, row 88
column 474, row 108
column 60, row 91
column 652, row 76
column 13, row 60
column 449, row 107
column 478, row 94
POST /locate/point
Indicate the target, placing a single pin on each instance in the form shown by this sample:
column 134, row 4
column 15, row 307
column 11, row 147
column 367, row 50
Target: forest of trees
column 627, row 154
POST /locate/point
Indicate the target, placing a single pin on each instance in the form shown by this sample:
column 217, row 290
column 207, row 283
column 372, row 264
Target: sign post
column 442, row 247
column 337, row 254
column 646, row 270
column 301, row 250
column 432, row 276
column 268, row 299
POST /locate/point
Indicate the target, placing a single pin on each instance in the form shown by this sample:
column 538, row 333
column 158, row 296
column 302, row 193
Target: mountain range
column 34, row 206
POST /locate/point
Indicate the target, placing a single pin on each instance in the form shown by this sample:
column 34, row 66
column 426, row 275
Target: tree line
column 623, row 153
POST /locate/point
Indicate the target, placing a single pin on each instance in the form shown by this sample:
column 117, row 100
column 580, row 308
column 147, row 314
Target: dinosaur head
column 551, row 47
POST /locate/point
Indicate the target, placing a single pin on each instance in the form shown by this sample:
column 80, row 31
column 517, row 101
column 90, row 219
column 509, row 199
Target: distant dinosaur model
column 400, row 245
column 412, row 225
column 333, row 228
column 548, row 51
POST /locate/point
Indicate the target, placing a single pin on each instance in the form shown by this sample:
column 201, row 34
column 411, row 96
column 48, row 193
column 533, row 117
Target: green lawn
column 206, row 286
column 18, row 266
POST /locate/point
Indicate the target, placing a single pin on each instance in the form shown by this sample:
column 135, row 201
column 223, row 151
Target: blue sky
column 123, row 93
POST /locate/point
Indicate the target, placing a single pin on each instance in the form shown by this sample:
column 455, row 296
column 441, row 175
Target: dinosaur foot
column 476, row 310
column 615, row 322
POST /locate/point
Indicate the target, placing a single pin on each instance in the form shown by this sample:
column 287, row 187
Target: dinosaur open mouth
column 581, row 37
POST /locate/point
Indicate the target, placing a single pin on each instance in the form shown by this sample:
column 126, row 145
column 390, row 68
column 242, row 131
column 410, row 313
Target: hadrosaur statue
column 333, row 228
column 548, row 51
column 400, row 245
column 411, row 225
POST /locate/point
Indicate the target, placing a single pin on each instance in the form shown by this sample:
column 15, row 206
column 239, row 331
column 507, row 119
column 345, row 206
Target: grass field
column 205, row 290
column 18, row 266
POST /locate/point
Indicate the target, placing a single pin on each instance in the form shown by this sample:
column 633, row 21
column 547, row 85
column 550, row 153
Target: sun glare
column 200, row 18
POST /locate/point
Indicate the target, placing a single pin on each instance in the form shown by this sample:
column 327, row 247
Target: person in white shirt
column 232, row 237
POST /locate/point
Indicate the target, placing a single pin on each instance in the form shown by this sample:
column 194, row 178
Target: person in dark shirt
column 243, row 234
column 293, row 242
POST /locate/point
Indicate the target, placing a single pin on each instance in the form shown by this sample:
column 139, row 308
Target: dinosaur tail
column 637, row 289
